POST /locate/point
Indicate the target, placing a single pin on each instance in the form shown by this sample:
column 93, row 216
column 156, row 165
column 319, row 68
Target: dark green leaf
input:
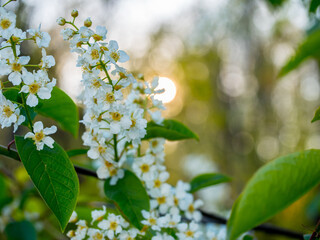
column 76, row 152
column 170, row 130
column 61, row 108
column 5, row 198
column 272, row 188
column 316, row 115
column 276, row 3
column 206, row 180
column 130, row 196
column 53, row 175
column 23, row 230
column 309, row 48
column 13, row 95
column 314, row 4
column 247, row 237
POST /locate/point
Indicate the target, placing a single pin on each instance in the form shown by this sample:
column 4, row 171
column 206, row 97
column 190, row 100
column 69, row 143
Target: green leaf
column 276, row 3
column 272, row 188
column 314, row 4
column 76, row 152
column 308, row 48
column 130, row 196
column 23, row 230
column 247, row 237
column 13, row 95
column 61, row 108
column 5, row 198
column 53, row 175
column 316, row 115
column 170, row 130
column 206, row 180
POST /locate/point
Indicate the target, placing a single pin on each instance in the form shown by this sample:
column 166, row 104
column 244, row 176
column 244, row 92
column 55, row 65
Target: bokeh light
column 170, row 90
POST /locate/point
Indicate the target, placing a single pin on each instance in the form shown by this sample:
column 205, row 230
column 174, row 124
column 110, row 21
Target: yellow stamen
column 16, row 67
column 33, row 88
column 5, row 23
column 7, row 111
column 145, row 168
column 116, row 116
column 39, row 136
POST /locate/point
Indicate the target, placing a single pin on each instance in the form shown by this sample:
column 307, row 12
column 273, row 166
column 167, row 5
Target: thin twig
column 207, row 217
column 10, row 143
column 316, row 233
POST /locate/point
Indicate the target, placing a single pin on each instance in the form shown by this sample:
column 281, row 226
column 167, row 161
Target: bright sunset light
column 170, row 90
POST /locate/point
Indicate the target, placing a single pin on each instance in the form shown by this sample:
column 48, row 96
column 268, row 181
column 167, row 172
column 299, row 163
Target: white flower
column 97, row 215
column 41, row 38
column 191, row 207
column 100, row 34
column 95, row 234
column 14, row 69
column 9, row 112
column 7, row 22
column 35, row 87
column 46, row 61
column 144, row 168
column 158, row 181
column 17, row 34
column 119, row 121
column 151, row 220
column 80, row 232
column 156, row 145
column 170, row 220
column 74, row 217
column 99, row 149
column 115, row 173
column 138, row 126
column 40, row 135
column 115, row 55
column 162, row 236
column 113, row 225
column 216, row 232
column 92, row 55
column 162, row 199
column 188, row 232
column 67, row 33
column 129, row 235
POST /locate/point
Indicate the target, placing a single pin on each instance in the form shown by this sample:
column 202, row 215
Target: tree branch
column 207, row 217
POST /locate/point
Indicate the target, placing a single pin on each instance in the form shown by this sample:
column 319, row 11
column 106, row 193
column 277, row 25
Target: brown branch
column 266, row 228
column 316, row 233
column 207, row 217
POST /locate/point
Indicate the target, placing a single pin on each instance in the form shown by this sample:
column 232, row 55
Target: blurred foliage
column 226, row 70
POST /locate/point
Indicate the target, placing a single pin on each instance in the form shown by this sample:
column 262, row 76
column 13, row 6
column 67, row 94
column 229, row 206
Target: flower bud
column 74, row 13
column 88, row 22
column 61, row 21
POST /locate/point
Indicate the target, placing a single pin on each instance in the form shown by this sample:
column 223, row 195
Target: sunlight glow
column 170, row 90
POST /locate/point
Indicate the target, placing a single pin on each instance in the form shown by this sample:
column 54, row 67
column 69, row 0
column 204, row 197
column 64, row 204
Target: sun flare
column 170, row 90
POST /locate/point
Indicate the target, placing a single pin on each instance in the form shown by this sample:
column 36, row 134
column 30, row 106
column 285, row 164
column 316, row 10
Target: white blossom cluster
column 32, row 85
column 117, row 106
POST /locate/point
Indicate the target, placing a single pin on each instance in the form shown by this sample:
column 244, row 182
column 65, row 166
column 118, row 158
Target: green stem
column 27, row 111
column 107, row 74
column 7, row 3
column 115, row 147
column 31, row 65
column 72, row 24
column 4, row 47
column 13, row 46
column 9, row 153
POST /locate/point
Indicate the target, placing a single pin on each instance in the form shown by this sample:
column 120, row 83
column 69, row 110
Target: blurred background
column 219, row 62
